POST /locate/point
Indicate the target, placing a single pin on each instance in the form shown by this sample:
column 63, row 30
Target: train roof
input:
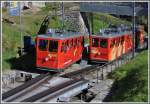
column 112, row 34
column 62, row 36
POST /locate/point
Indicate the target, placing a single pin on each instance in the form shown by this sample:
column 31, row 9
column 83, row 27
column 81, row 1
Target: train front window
column 95, row 42
column 43, row 44
column 53, row 46
column 103, row 43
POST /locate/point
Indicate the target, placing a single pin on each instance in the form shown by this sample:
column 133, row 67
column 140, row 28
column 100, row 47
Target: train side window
column 122, row 40
column 53, row 46
column 117, row 42
column 95, row 42
column 103, row 43
column 75, row 42
column 43, row 44
column 63, row 47
column 71, row 43
column 78, row 42
column 67, row 45
column 82, row 41
column 112, row 43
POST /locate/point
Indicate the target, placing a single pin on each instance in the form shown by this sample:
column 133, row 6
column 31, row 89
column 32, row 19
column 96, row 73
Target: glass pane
column 95, row 42
column 53, row 46
column 103, row 43
column 43, row 45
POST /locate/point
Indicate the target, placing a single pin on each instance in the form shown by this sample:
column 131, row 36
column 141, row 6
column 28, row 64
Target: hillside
column 131, row 81
column 31, row 21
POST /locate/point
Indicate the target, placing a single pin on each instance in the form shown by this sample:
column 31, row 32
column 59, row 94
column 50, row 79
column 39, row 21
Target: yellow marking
column 94, row 51
column 113, row 53
column 119, row 50
column 75, row 51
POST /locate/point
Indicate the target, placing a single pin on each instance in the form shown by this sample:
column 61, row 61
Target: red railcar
column 58, row 51
column 139, row 36
column 108, row 47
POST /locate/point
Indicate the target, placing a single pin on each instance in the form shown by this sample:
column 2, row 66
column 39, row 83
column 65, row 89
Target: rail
column 24, row 86
column 24, row 89
column 51, row 90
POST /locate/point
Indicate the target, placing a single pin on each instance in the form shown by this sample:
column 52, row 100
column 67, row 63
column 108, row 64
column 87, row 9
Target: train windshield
column 43, row 44
column 53, row 46
column 95, row 42
column 103, row 43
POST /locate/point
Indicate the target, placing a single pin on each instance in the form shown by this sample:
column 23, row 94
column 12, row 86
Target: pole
column 92, row 26
column 133, row 30
column 20, row 25
column 62, row 7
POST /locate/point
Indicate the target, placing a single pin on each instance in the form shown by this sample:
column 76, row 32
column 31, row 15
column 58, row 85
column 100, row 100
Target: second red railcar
column 110, row 46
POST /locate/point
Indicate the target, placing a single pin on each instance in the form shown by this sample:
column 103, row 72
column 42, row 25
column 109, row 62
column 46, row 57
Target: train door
column 103, row 49
column 130, row 39
column 53, row 50
column 65, row 56
column 80, row 47
column 41, row 52
column 119, row 47
column 112, row 49
column 47, row 51
column 123, row 44
column 94, row 47
column 75, row 50
column 126, row 44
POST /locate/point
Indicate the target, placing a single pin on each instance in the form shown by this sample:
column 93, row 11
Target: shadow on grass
column 131, row 88
column 25, row 63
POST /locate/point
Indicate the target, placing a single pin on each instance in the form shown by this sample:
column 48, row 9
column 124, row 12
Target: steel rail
column 24, row 86
column 50, row 91
column 62, row 91
column 84, row 70
column 27, row 89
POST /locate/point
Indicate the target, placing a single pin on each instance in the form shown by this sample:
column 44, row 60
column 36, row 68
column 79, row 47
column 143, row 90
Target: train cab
column 57, row 51
column 109, row 45
column 98, row 48
column 139, row 36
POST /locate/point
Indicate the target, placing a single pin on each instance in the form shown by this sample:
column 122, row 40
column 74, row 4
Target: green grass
column 12, row 36
column 102, row 20
column 131, row 80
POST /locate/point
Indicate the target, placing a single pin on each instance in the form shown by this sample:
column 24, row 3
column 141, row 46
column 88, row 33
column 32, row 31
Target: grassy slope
column 11, row 34
column 132, row 80
column 31, row 24
column 102, row 20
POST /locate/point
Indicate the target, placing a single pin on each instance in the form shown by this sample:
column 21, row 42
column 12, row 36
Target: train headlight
column 99, row 53
column 46, row 59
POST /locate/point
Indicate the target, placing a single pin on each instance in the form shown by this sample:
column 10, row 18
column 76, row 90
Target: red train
column 58, row 51
column 109, row 45
column 139, row 37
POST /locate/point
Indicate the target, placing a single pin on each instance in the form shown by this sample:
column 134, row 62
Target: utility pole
column 133, row 30
column 62, row 7
column 92, row 26
column 20, row 17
